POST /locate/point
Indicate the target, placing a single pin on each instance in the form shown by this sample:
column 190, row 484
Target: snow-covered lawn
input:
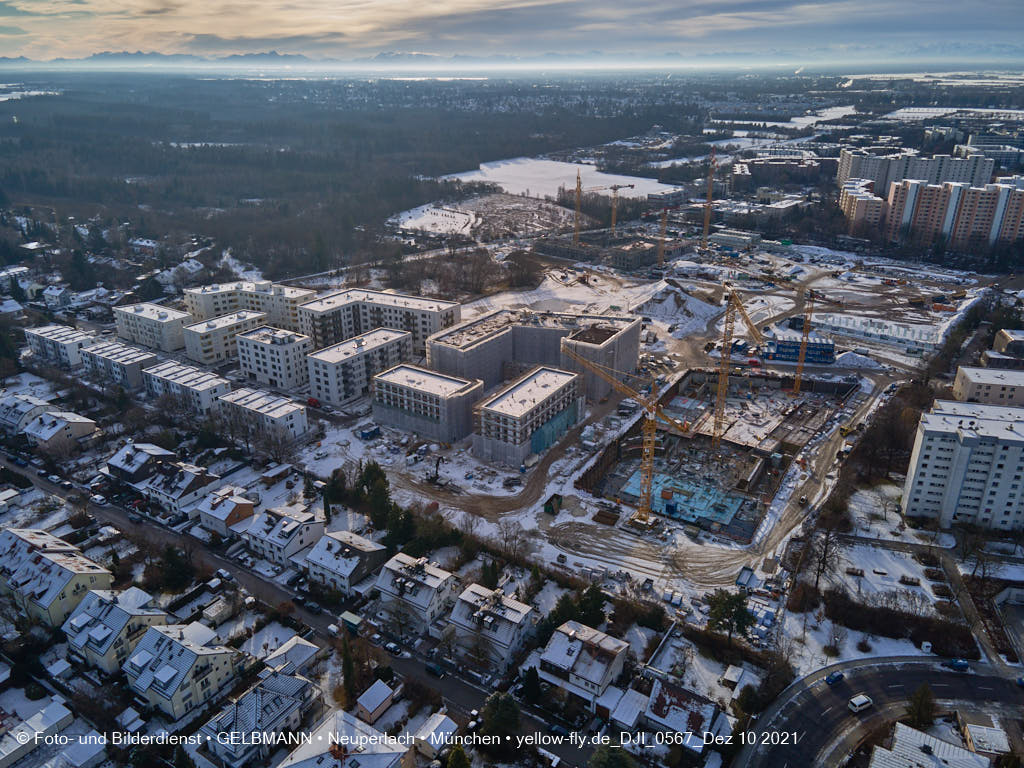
column 883, row 571
column 874, row 513
column 267, row 640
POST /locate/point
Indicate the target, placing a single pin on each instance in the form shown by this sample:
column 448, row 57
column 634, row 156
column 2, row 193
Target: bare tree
column 824, row 553
column 511, row 538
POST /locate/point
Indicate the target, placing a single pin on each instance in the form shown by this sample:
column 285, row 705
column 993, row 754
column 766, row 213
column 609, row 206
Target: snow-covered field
column 543, row 178
column 874, row 513
column 674, row 307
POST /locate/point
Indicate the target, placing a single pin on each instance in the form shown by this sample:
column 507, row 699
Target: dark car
column 21, row 462
column 834, row 678
column 557, row 730
column 314, row 608
column 299, row 600
column 957, row 665
column 434, row 669
column 42, row 472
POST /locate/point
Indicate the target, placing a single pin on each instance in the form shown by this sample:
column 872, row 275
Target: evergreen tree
column 921, row 711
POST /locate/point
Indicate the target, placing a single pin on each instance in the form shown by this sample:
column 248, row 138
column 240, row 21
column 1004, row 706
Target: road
column 459, row 694
column 836, row 731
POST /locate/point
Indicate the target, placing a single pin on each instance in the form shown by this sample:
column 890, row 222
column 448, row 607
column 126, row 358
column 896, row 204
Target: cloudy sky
column 716, row 31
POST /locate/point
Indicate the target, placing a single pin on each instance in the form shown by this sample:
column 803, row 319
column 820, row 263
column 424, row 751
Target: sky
column 712, row 31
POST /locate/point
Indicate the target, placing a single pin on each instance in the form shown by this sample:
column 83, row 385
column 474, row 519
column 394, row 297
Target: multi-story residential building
column 1009, row 342
column 345, row 370
column 527, row 416
column 339, row 316
column 264, row 413
column 520, row 339
column 112, row 361
column 46, row 576
column 326, row 747
column 281, row 533
column 275, row 357
column 989, row 386
column 178, row 486
column 134, row 462
column 279, row 303
column 414, row 593
column 275, row 705
column 59, row 344
column 967, row 466
column 18, row 409
column 224, row 508
column 582, row 661
column 179, row 668
column 152, row 325
column 489, row 626
column 433, row 405
column 58, row 432
column 196, row 388
column 860, row 205
column 886, row 169
column 106, row 626
column 962, row 215
column 211, row 342
column 341, row 559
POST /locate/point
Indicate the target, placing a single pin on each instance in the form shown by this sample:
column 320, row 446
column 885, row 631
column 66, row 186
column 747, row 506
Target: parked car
column 20, row 461
column 333, row 630
column 393, row 649
column 314, row 608
column 557, row 730
column 298, row 599
column 860, row 702
column 957, row 665
column 434, row 669
column 375, row 639
column 224, row 575
column 835, row 678
column 98, row 499
column 42, row 472
column 133, row 518
column 67, row 485
column 53, row 478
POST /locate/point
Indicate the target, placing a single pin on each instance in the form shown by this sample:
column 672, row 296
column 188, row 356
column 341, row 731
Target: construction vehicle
column 579, row 203
column 733, row 305
column 804, row 338
column 649, row 428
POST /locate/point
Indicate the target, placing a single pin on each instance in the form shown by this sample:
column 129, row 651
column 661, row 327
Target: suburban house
column 582, row 661
column 178, row 668
column 276, row 704
column 295, row 656
column 280, row 533
column 178, row 486
column 105, row 626
column 134, row 462
column 490, row 626
column 675, row 709
column 341, row 559
column 46, row 576
column 17, row 410
column 59, row 432
column 223, row 508
column 414, row 593
column 437, row 732
column 374, row 701
column 342, row 740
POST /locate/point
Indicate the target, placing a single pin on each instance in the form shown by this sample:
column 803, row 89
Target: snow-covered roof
column 271, row 336
column 178, row 479
column 154, row 312
column 262, row 709
column 132, row 456
column 17, row 407
column 481, row 329
column 585, row 652
column 358, row 345
column 522, row 396
column 186, row 376
column 280, row 525
column 334, row 301
column 38, row 565
column 502, row 615
column 912, row 748
column 239, row 317
column 116, row 352
column 222, row 502
column 61, row 334
column 438, row 730
column 333, row 745
column 99, row 619
column 992, row 376
column 83, row 751
column 341, row 552
column 986, row 421
column 166, row 654
column 46, row 426
column 374, row 696
column 677, row 709
column 629, row 708
column 262, row 402
column 423, row 380
column 414, row 580
column 293, row 655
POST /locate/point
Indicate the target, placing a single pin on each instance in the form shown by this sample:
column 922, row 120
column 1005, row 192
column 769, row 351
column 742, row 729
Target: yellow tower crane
column 707, row 204
column 579, row 202
column 804, row 338
column 733, row 305
column 649, row 429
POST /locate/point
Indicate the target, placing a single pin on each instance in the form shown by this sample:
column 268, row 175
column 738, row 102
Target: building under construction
column 626, row 251
column 724, row 490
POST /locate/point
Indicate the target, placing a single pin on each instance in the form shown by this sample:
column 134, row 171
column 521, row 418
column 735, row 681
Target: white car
column 860, row 702
column 98, row 499
column 334, row 630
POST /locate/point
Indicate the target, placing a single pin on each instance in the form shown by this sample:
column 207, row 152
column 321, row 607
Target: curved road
column 816, row 727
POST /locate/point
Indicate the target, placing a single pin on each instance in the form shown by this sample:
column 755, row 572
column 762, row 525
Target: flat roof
column 225, row 321
column 466, row 334
column 999, row 422
column 332, row 301
column 261, row 402
column 251, row 286
column 60, row 333
column 119, row 353
column 337, row 353
column 994, row 376
column 267, row 334
column 156, row 312
column 424, row 380
column 521, row 396
column 186, row 375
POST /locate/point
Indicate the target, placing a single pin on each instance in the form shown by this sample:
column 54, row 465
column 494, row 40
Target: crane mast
column 804, row 338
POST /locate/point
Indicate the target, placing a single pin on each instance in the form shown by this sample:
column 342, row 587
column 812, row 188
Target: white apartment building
column 275, row 357
column 279, row 303
column 992, row 386
column 433, row 405
column 280, row 533
column 414, row 593
column 339, row 316
column 196, row 387
column 212, row 341
column 264, row 412
column 345, row 370
column 112, row 361
column 152, row 325
column 59, row 344
column 582, row 661
column 884, row 169
column 341, row 559
column 490, row 626
column 528, row 416
column 106, row 626
column 967, row 466
column 179, row 668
